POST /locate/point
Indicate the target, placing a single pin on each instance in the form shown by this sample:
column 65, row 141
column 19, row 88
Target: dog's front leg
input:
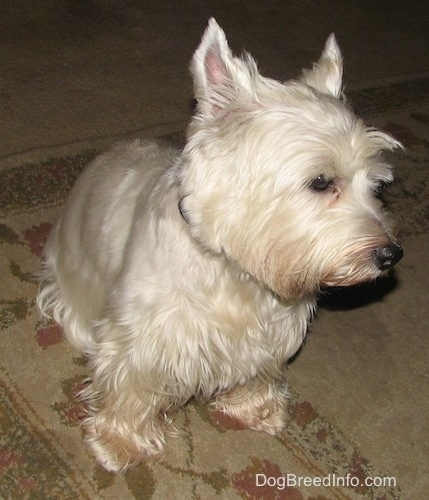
column 124, row 427
column 127, row 406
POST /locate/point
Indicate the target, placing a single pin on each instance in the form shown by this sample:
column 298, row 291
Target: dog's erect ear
column 210, row 68
column 327, row 74
column 218, row 76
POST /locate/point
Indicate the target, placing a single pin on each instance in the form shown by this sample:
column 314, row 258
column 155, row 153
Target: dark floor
column 73, row 71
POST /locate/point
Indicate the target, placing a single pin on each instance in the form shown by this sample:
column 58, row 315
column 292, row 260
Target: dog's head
column 283, row 177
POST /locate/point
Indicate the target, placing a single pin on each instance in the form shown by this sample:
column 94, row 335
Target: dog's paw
column 118, row 451
column 260, row 411
column 270, row 422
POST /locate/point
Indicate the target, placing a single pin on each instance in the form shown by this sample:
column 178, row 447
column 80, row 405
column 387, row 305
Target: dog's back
column 94, row 228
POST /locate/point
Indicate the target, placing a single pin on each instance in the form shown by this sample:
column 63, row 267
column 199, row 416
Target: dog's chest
column 234, row 339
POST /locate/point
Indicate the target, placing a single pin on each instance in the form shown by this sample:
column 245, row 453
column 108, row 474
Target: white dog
column 193, row 273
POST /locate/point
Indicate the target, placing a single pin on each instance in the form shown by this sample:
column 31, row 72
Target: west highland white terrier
column 194, row 273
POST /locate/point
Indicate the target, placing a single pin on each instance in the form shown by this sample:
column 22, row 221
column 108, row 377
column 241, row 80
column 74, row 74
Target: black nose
column 386, row 257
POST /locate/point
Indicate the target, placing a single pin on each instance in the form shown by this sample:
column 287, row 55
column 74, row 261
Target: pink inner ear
column 215, row 69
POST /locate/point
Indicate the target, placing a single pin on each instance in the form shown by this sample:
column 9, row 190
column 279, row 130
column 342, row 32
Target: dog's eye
column 379, row 188
column 320, row 183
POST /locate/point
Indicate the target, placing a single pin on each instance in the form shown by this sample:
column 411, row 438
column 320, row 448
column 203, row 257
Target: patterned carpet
column 41, row 449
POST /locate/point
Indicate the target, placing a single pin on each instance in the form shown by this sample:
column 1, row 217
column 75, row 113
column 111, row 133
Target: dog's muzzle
column 386, row 257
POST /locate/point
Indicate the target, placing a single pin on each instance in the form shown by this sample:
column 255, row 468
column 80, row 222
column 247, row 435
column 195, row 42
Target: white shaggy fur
column 194, row 273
